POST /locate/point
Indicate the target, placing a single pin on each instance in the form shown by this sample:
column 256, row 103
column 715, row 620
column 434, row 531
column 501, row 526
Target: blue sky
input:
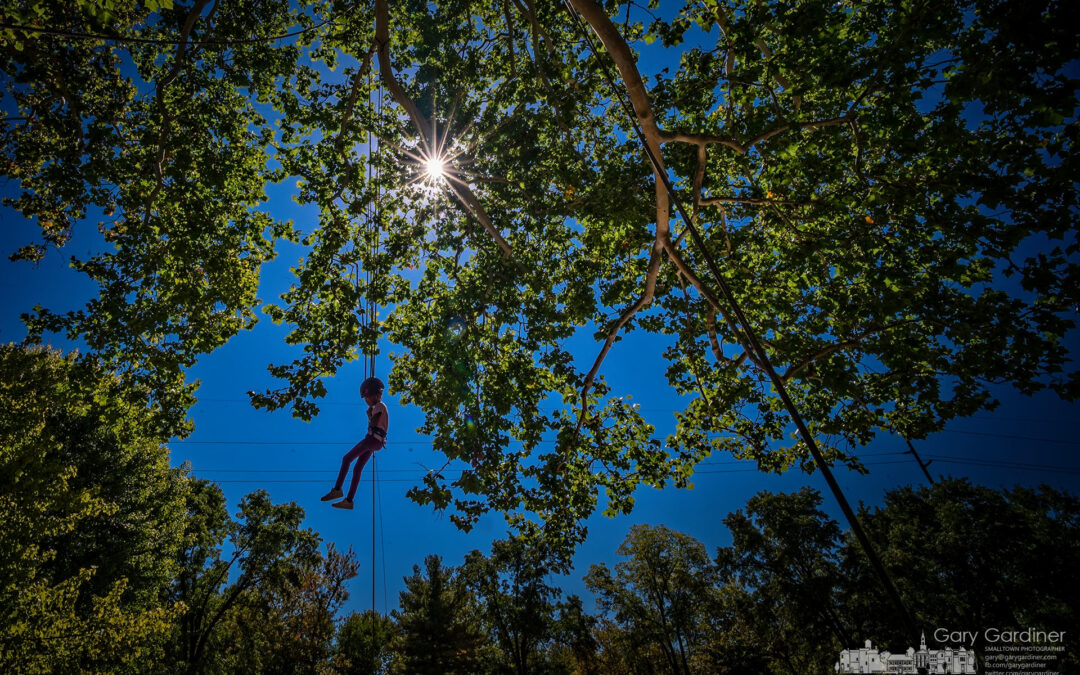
column 1026, row 441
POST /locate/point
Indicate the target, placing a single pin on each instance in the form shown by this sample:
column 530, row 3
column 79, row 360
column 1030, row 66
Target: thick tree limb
column 624, row 60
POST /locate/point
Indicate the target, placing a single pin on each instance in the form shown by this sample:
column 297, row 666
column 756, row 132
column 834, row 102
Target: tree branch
column 350, row 104
column 159, row 94
column 639, row 98
column 714, row 302
column 627, row 314
column 626, row 64
column 712, row 201
column 422, row 124
column 840, row 346
column 743, row 148
column 722, row 22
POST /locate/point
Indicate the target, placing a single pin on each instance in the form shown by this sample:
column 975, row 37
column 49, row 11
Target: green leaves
column 92, row 515
column 868, row 186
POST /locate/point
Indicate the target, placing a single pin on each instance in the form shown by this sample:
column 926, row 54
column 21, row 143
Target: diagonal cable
column 754, row 342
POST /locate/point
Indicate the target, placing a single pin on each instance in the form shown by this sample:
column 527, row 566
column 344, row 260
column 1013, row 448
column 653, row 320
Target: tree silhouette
column 91, row 517
column 438, row 626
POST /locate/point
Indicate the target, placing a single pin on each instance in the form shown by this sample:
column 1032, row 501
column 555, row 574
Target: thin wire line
column 374, row 484
column 1032, row 466
column 55, row 32
column 944, row 459
column 1010, row 436
column 403, row 470
column 989, row 417
column 382, row 547
column 423, row 442
column 975, row 464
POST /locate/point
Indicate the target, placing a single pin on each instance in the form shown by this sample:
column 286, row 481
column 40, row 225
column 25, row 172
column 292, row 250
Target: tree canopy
column 889, row 189
column 793, row 589
column 92, row 518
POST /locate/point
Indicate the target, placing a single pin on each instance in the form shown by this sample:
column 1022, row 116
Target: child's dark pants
column 360, row 452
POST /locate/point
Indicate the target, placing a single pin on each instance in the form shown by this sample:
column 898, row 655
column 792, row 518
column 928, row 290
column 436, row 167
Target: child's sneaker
column 333, row 494
column 343, row 504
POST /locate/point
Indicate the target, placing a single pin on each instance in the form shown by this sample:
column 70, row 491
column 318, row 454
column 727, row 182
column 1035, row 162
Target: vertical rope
column 382, row 548
column 374, row 635
column 374, row 176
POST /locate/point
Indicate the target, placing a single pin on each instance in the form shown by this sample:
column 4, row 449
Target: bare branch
column 722, row 22
column 835, row 121
column 703, row 139
column 528, row 9
column 712, row 201
column 462, row 191
column 699, row 178
column 743, row 148
column 714, row 342
column 613, row 333
column 840, row 346
column 509, row 18
column 350, row 104
column 676, row 257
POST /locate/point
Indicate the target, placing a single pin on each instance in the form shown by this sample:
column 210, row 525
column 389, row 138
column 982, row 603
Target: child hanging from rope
column 378, row 420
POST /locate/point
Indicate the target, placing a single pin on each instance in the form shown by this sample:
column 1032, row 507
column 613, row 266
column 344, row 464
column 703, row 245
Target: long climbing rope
column 751, row 336
column 375, row 183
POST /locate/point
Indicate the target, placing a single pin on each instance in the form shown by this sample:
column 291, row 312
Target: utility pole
column 922, row 465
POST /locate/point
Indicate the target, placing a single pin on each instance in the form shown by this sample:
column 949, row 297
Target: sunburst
column 438, row 162
column 435, row 168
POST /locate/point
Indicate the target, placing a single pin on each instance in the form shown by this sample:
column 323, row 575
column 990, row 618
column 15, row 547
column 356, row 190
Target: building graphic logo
column 931, row 661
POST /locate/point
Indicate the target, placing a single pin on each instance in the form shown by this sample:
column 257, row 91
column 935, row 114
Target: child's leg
column 366, row 447
column 346, row 461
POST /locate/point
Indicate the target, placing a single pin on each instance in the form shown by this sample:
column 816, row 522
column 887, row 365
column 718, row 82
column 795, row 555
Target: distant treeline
column 112, row 561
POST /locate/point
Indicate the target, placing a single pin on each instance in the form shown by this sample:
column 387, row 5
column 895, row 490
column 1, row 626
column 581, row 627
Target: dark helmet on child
column 372, row 385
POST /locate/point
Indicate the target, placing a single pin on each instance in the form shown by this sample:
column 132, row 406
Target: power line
column 1030, row 466
column 933, row 456
column 427, row 442
column 1071, row 472
column 989, row 417
column 77, row 35
column 945, row 459
column 1010, row 436
column 401, row 470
